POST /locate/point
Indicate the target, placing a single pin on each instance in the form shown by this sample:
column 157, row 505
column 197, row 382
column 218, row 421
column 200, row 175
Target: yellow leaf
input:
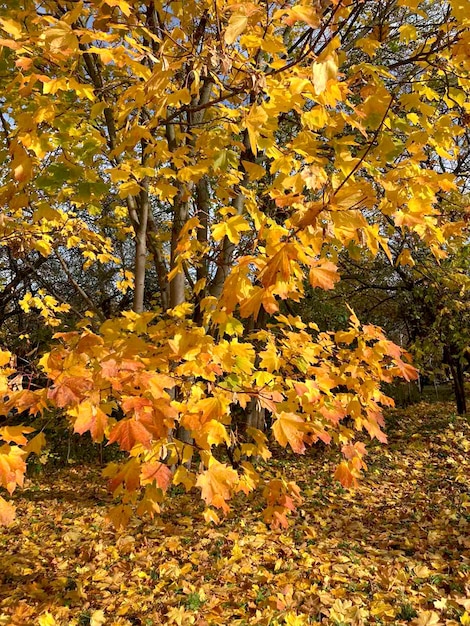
column 36, row 444
column 46, row 619
column 61, row 39
column 405, row 258
column 15, row 434
column 289, row 428
column 427, row 618
column 211, row 516
column 231, row 229
column 12, row 467
column 119, row 515
column 421, row 571
column 5, row 357
column 254, row 171
column 184, row 477
column 368, row 45
column 216, row 433
column 123, row 5
column 12, row 28
column 305, row 14
column 97, row 618
column 236, row 26
column 254, row 121
column 322, row 72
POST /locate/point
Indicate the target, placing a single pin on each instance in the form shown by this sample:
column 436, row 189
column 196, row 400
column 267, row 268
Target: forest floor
column 394, row 551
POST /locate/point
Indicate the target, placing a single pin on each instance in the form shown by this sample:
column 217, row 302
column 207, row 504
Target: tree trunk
column 459, row 389
column 141, row 250
column 256, row 415
column 456, row 370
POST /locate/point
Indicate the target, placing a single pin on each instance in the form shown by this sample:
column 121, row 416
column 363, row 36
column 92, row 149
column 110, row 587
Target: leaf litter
column 394, row 551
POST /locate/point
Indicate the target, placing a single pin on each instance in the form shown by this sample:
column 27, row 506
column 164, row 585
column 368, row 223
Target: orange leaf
column 157, row 472
column 7, row 513
column 309, row 217
column 345, row 476
column 407, row 371
column 90, row 418
column 324, row 274
column 70, row 391
column 278, row 267
column 217, row 484
column 128, row 432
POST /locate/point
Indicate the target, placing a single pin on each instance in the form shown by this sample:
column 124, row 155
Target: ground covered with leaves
column 394, row 551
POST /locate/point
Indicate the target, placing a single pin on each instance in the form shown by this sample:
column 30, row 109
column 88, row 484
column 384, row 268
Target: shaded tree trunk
column 456, row 370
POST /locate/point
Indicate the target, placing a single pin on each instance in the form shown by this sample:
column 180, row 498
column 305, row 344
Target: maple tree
column 217, row 157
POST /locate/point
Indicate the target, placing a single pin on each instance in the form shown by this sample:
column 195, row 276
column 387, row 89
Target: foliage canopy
column 215, row 159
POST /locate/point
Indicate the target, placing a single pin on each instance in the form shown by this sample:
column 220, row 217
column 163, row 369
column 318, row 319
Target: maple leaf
column 47, row 619
column 127, row 475
column 345, row 476
column 231, row 228
column 236, row 26
column 427, row 618
column 15, row 434
column 323, row 72
column 70, row 390
column 128, row 432
column 254, row 122
column 217, row 484
column 289, row 428
column 120, row 515
column 36, row 444
column 406, row 370
column 98, row 618
column 158, row 472
column 324, row 274
column 7, row 512
column 306, row 14
column 278, row 266
column 12, row 467
column 89, row 418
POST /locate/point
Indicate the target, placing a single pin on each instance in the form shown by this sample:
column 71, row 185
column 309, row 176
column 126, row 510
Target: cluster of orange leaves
column 141, row 378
